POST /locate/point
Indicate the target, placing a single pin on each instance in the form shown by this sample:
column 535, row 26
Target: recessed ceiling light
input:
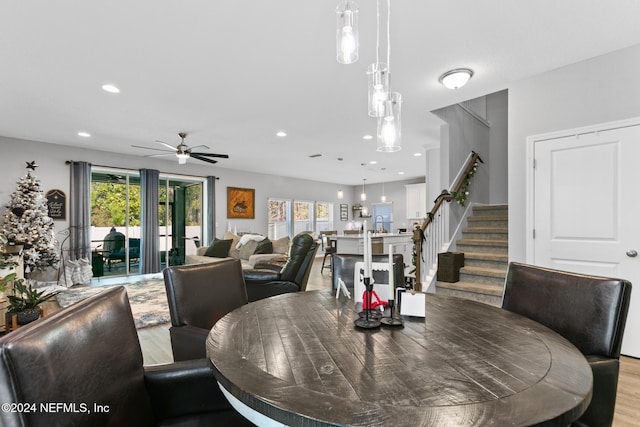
column 455, row 79
column 84, row 134
column 400, row 173
column 281, row 134
column 372, row 162
column 417, row 154
column 110, row 88
column 367, row 137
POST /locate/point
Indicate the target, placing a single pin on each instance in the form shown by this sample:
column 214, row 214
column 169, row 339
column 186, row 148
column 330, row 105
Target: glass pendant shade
column 363, row 195
column 389, row 125
column 340, row 194
column 347, row 38
column 378, row 88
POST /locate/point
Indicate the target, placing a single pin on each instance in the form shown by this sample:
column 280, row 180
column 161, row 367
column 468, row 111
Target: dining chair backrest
column 587, row 310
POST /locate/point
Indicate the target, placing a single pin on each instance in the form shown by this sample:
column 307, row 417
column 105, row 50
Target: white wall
column 54, row 173
column 598, row 90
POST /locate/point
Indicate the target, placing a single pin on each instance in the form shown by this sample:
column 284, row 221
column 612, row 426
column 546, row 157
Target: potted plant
column 25, row 302
column 7, row 271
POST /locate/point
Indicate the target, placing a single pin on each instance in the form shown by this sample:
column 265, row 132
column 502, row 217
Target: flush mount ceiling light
column 455, row 79
column 110, row 88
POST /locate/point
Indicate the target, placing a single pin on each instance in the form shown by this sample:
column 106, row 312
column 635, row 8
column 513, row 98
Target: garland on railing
column 461, row 195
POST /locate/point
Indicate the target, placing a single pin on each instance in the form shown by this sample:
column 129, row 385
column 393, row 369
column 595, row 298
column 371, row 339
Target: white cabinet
column 416, row 200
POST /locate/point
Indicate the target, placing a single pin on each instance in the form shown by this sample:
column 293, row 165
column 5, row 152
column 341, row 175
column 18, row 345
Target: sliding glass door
column 115, row 222
column 180, row 218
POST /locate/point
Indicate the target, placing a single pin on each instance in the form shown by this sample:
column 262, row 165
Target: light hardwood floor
column 156, row 349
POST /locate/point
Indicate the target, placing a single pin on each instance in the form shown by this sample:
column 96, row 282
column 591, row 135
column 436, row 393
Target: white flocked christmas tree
column 26, row 221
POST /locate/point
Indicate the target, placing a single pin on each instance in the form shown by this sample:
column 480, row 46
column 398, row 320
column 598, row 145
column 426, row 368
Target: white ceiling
column 232, row 73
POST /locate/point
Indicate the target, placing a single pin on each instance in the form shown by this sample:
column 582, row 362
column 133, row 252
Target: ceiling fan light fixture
column 455, row 79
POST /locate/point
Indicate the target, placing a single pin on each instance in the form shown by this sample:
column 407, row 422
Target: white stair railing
column 435, row 228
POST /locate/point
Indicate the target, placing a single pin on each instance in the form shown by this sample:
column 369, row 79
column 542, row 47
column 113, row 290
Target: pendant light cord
column 377, row 33
column 388, row 40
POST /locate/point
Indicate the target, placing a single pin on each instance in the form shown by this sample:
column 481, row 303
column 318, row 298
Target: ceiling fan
column 182, row 151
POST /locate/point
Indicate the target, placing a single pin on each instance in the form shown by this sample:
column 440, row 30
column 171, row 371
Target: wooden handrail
column 446, row 195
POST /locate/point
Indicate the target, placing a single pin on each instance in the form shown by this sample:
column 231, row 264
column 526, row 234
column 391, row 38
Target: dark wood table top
column 298, row 359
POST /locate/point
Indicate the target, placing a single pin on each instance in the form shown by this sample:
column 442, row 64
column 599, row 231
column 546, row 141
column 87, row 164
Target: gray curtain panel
column 149, row 249
column 80, row 211
column 211, row 209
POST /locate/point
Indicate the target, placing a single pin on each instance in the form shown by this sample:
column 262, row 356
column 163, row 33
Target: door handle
column 632, row 253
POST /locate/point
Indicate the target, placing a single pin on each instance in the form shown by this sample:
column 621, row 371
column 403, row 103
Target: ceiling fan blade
column 222, row 156
column 204, row 159
column 167, row 145
column 152, row 148
column 160, row 155
column 198, row 146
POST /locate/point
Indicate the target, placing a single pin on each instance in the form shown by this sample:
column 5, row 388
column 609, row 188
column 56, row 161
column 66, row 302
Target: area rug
column 147, row 297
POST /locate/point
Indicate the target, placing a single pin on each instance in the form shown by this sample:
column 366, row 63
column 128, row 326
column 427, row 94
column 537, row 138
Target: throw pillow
column 264, row 247
column 233, row 252
column 248, row 249
column 219, row 248
column 281, row 246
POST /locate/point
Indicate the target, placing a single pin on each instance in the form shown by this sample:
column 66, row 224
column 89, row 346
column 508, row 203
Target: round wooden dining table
column 297, row 360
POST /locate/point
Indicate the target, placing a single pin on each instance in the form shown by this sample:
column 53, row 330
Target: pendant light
column 378, row 76
column 389, row 124
column 363, row 195
column 347, row 38
column 340, row 193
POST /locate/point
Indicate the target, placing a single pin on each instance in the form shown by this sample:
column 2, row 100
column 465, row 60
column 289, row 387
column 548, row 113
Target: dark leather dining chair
column 199, row 295
column 588, row 311
column 272, row 278
column 87, row 357
column 343, row 265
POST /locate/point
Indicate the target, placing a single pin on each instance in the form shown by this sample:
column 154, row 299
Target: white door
column 587, row 210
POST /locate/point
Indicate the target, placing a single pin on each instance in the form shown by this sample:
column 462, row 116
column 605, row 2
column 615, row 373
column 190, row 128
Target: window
column 303, row 216
column 324, row 217
column 278, row 221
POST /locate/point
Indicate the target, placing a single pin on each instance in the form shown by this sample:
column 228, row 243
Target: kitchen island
column 354, row 244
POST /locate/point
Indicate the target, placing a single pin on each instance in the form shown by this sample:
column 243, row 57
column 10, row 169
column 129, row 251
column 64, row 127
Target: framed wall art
column 344, row 212
column 241, row 202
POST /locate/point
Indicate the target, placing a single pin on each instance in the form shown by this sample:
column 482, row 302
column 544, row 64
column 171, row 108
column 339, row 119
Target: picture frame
column 241, row 202
column 344, row 212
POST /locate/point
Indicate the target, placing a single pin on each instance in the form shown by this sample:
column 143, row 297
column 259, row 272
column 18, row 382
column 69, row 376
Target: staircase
column 485, row 246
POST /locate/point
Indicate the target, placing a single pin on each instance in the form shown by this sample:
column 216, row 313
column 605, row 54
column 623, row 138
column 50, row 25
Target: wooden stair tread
column 486, row 230
column 485, row 271
column 478, row 288
column 486, row 256
column 491, row 242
